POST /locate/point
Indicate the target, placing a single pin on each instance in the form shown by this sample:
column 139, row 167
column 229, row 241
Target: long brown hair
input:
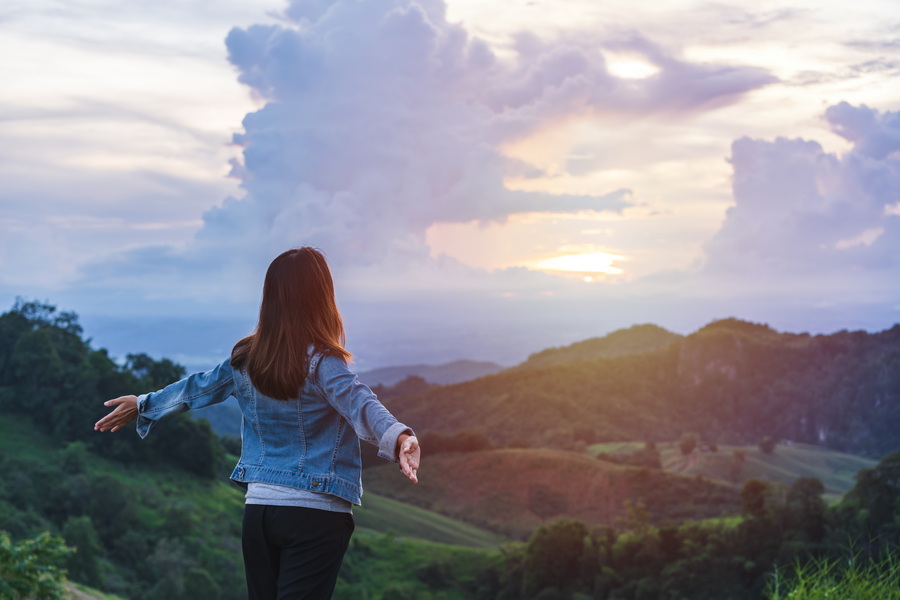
column 297, row 310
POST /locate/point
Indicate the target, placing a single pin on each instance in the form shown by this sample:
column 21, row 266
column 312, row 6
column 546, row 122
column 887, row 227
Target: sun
column 590, row 262
column 624, row 66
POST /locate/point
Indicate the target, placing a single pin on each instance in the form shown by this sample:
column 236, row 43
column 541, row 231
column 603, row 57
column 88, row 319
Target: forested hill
column 730, row 382
column 634, row 340
column 53, row 377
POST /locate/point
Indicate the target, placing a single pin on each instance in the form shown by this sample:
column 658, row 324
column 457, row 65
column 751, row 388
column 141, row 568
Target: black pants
column 293, row 553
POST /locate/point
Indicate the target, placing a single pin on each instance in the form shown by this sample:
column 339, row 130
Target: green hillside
column 836, row 470
column 735, row 465
column 384, row 515
column 732, row 382
column 149, row 517
column 513, row 491
column 637, row 339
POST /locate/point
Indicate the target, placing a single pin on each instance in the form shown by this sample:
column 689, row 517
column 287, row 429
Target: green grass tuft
column 850, row 579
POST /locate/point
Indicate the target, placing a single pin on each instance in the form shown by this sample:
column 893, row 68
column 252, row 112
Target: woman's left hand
column 410, row 456
column 126, row 412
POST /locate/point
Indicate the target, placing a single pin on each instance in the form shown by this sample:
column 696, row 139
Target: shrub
column 30, row 569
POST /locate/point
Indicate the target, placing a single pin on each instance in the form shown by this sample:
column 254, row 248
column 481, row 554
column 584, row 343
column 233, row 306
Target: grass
column 384, row 515
column 787, row 463
column 387, row 567
column 19, row 435
column 853, row 579
column 615, row 448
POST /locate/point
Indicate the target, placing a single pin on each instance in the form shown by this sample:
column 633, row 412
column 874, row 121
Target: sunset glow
column 591, row 262
column 626, row 67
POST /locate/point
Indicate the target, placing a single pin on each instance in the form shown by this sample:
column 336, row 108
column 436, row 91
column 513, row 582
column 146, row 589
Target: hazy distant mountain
column 634, row 340
column 447, row 373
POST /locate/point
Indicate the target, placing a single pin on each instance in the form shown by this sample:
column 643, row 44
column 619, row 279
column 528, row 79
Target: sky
column 487, row 178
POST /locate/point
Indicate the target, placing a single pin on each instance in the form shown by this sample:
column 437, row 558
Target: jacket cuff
column 143, row 423
column 387, row 447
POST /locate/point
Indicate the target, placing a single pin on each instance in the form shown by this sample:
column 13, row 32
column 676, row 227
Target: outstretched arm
column 194, row 391
column 125, row 413
column 410, row 455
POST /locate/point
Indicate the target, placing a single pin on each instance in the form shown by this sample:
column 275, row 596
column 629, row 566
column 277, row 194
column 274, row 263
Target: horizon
column 217, row 335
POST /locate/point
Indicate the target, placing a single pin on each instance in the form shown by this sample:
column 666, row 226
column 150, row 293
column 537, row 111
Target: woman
column 300, row 464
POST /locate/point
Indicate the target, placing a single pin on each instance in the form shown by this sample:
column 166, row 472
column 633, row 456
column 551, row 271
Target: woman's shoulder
column 324, row 364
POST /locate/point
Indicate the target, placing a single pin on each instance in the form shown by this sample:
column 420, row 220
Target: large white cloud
column 804, row 215
column 382, row 118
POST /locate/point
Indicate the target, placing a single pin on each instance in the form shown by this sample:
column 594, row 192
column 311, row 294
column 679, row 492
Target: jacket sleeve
column 371, row 421
column 194, row 391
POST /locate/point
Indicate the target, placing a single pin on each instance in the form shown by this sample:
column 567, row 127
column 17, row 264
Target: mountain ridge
column 730, row 382
column 455, row 371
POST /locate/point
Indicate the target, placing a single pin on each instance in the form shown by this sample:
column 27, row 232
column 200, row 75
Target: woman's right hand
column 410, row 455
column 126, row 412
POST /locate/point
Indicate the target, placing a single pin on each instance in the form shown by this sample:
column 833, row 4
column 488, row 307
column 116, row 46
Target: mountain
column 452, row 372
column 730, row 382
column 634, row 340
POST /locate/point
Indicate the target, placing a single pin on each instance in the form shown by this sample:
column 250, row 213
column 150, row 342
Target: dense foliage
column 31, row 568
column 52, row 387
column 49, row 374
column 733, row 558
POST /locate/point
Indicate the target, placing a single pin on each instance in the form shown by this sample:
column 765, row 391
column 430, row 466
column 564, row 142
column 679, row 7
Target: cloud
column 802, row 214
column 383, row 118
column 380, row 119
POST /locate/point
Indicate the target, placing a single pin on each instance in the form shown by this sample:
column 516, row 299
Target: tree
column 767, row 445
column 31, row 568
column 753, row 494
column 805, row 508
column 83, row 564
column 154, row 374
column 688, row 443
column 552, row 555
column 874, row 502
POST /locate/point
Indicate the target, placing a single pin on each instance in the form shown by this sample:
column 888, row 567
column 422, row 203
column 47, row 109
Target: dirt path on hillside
column 76, row 594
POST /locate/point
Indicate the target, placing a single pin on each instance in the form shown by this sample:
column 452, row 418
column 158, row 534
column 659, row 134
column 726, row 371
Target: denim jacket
column 310, row 442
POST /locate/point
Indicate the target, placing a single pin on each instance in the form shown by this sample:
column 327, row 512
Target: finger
column 116, row 401
column 108, row 421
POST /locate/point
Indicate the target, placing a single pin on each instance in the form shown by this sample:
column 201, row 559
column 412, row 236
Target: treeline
column 732, row 382
column 52, row 376
column 732, row 558
column 146, row 517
